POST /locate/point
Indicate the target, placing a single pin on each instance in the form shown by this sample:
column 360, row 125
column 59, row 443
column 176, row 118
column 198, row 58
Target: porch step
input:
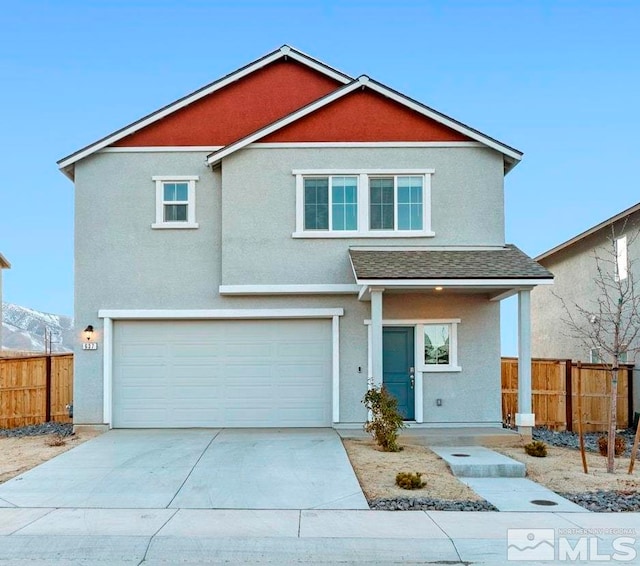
column 479, row 462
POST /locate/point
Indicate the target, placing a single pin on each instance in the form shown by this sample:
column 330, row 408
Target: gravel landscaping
column 567, row 439
column 428, row 504
column 606, row 501
column 63, row 429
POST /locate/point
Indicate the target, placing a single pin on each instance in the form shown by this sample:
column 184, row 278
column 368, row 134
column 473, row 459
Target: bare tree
column 610, row 322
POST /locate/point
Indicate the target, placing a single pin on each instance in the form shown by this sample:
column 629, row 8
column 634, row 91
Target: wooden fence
column 554, row 389
column 35, row 389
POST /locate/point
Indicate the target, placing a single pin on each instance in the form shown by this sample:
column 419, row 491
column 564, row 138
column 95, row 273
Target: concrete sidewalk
column 211, row 536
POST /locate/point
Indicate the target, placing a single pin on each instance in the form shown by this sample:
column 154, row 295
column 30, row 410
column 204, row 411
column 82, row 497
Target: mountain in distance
column 23, row 329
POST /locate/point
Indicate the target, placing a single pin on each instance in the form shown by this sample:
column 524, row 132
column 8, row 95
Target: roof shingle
column 505, row 263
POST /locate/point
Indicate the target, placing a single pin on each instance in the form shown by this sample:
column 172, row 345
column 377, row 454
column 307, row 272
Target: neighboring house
column 574, row 267
column 4, row 264
column 257, row 252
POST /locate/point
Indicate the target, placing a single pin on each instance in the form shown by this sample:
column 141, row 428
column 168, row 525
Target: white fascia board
column 445, row 120
column 161, row 149
column 278, row 145
column 216, row 314
column 4, row 263
column 218, row 156
column 284, row 51
column 417, row 283
column 329, row 289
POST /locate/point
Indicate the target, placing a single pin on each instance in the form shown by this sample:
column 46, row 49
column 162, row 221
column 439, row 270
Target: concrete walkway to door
column 195, row 469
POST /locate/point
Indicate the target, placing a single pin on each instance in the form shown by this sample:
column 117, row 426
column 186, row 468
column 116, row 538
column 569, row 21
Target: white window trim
column 593, row 353
column 363, row 230
column 190, row 223
column 622, row 259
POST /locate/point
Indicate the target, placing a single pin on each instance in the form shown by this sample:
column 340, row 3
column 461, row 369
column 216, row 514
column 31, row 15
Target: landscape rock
column 63, row 429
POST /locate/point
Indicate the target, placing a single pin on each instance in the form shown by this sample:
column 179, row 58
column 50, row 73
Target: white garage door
column 222, row 373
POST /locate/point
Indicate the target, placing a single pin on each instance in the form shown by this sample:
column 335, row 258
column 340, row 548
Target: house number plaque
column 89, row 345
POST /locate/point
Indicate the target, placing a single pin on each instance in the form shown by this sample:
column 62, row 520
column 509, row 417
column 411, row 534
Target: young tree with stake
column 610, row 322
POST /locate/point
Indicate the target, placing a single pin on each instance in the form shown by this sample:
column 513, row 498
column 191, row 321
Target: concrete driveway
column 195, row 469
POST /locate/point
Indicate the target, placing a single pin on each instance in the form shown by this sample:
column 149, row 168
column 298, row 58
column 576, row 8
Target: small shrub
column 618, row 449
column 55, row 440
column 409, row 480
column 536, row 448
column 385, row 418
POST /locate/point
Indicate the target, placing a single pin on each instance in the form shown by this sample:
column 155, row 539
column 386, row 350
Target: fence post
column 568, row 387
column 630, row 394
column 47, row 395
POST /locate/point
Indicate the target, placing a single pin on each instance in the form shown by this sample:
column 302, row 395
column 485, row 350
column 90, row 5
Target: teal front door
column 398, row 375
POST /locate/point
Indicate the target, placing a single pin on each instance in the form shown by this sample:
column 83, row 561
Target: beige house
column 575, row 271
column 4, row 264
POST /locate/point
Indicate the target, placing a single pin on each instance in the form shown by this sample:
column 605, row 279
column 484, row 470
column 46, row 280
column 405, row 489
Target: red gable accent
column 238, row 109
column 364, row 116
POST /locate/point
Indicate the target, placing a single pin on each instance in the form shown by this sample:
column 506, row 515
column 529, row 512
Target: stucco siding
column 1, row 319
column 575, row 273
column 473, row 394
column 258, row 209
column 122, row 263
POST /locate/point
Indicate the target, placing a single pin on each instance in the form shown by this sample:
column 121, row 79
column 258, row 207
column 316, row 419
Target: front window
column 436, row 344
column 175, row 202
column 365, row 204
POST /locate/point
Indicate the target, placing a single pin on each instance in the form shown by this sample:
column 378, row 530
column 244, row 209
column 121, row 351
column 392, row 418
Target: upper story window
column 175, row 201
column 359, row 203
column 622, row 259
column 331, row 202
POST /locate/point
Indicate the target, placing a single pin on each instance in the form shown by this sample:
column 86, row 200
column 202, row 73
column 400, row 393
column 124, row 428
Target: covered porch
column 433, row 332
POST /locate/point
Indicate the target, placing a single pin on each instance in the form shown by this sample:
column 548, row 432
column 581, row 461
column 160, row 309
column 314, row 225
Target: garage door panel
column 222, row 373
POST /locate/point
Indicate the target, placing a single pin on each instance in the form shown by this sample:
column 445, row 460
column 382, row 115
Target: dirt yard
column 19, row 454
column 560, row 471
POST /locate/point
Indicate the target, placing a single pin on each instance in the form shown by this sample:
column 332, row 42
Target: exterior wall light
column 88, row 333
column 438, row 288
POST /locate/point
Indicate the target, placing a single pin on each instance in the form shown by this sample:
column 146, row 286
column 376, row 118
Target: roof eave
column 4, row 263
column 570, row 242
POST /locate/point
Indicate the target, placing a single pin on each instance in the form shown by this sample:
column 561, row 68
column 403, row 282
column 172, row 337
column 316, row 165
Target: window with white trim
column 594, row 356
column 437, row 345
column 175, row 201
column 358, row 203
column 622, row 260
column 331, row 201
column 396, row 203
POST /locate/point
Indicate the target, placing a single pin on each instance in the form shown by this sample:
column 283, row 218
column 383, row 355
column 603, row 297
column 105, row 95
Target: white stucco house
column 259, row 251
column 4, row 264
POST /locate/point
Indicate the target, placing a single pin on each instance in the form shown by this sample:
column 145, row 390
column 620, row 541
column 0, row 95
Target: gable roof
column 4, row 264
column 504, row 263
column 511, row 156
column 66, row 163
column 620, row 216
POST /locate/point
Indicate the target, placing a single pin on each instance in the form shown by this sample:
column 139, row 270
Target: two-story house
column 615, row 242
column 258, row 252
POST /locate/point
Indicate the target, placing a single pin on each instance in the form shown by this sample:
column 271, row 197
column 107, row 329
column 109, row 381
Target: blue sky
column 557, row 80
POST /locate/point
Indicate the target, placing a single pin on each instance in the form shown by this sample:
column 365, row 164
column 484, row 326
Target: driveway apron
column 197, row 469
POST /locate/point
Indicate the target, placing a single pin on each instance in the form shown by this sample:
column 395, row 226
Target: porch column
column 525, row 419
column 376, row 335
